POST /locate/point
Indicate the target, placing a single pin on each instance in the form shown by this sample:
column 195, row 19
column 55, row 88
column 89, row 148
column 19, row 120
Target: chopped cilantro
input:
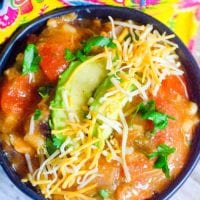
column 44, row 91
column 69, row 55
column 31, row 59
column 162, row 153
column 148, row 107
column 54, row 143
column 80, row 56
column 104, row 193
column 160, row 120
column 50, row 146
column 58, row 141
column 97, row 41
column 148, row 112
column 37, row 114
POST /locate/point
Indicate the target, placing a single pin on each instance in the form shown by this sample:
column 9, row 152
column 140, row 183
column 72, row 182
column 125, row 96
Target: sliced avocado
column 100, row 91
column 111, row 111
column 109, row 108
column 75, row 87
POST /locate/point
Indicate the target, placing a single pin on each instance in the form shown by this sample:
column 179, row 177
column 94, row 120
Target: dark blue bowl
column 17, row 44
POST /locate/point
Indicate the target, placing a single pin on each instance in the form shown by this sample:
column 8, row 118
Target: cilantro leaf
column 104, row 193
column 58, row 141
column 31, row 60
column 37, row 114
column 148, row 107
column 50, row 146
column 100, row 41
column 69, row 55
column 54, row 143
column 44, row 91
column 148, row 112
column 160, row 120
column 80, row 55
column 162, row 153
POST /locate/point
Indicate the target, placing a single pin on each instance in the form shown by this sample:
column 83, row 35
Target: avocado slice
column 109, row 109
column 100, row 91
column 75, row 86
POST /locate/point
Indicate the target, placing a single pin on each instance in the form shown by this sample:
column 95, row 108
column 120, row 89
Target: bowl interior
column 17, row 44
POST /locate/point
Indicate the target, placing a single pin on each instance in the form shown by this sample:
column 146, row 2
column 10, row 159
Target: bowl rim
column 22, row 33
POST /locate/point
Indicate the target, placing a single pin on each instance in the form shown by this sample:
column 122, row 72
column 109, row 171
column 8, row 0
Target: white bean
column 193, row 108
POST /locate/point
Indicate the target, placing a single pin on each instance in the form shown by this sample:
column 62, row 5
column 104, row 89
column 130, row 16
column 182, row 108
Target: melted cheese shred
column 58, row 173
column 142, row 60
column 145, row 54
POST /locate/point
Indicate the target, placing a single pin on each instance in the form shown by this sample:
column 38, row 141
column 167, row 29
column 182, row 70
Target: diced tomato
column 168, row 101
column 53, row 62
column 143, row 186
column 110, row 172
column 51, row 47
column 16, row 95
column 173, row 85
column 141, row 170
column 138, row 163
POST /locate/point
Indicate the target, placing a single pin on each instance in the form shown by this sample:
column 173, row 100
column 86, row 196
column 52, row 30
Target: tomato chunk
column 16, row 95
column 173, row 85
column 53, row 62
column 110, row 172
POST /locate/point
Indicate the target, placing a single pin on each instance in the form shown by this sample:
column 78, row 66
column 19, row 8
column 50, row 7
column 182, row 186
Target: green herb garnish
column 50, row 146
column 148, row 112
column 104, row 193
column 37, row 114
column 78, row 55
column 160, row 120
column 44, row 91
column 143, row 108
column 69, row 55
column 31, row 60
column 58, row 141
column 81, row 54
column 54, row 143
column 99, row 41
column 162, row 153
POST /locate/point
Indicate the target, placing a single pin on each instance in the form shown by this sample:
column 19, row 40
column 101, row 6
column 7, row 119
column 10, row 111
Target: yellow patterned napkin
column 182, row 16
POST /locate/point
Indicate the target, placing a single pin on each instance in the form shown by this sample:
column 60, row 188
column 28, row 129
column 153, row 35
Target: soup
column 97, row 109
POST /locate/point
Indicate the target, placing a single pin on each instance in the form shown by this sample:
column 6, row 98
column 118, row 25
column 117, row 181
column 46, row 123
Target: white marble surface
column 189, row 191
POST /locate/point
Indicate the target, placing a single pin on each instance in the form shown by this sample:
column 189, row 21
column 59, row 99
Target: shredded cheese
column 124, row 141
column 113, row 27
column 111, row 123
column 29, row 163
column 32, row 126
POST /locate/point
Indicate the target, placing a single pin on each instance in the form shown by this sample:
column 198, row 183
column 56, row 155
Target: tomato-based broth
column 97, row 110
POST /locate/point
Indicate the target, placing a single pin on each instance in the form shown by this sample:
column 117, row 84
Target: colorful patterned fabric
column 182, row 16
